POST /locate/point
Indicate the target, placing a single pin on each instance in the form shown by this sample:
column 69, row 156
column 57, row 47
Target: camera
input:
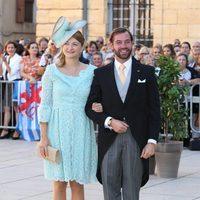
column 49, row 56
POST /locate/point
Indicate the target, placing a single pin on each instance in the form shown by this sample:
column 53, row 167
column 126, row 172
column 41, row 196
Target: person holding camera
column 42, row 44
column 50, row 56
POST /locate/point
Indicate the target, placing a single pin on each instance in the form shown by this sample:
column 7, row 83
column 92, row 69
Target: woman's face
column 92, row 49
column 182, row 61
column 156, row 53
column 97, row 60
column 52, row 47
column 72, row 48
column 167, row 51
column 177, row 49
column 185, row 48
column 196, row 47
column 33, row 50
column 10, row 49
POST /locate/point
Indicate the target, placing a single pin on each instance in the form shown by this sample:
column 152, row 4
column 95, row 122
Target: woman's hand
column 43, row 144
column 4, row 59
column 32, row 80
column 97, row 107
column 182, row 81
column 40, row 70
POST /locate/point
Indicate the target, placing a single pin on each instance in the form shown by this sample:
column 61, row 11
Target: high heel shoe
column 5, row 134
column 16, row 136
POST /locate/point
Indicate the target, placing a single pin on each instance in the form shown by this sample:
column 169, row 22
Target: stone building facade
column 169, row 19
column 176, row 19
column 150, row 21
column 17, row 19
column 92, row 11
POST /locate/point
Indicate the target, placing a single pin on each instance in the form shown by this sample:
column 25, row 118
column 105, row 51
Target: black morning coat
column 141, row 108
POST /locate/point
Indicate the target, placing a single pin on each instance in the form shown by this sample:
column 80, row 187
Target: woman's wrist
column 43, row 136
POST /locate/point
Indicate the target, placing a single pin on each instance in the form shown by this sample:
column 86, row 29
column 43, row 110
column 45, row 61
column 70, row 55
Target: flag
column 28, row 96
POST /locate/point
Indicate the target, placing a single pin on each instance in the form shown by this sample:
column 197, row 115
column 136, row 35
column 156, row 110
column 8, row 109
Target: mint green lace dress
column 62, row 105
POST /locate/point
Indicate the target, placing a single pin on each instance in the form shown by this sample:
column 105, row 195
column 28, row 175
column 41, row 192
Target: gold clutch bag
column 53, row 154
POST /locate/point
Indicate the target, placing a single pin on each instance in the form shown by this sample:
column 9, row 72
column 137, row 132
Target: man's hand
column 118, row 126
column 148, row 151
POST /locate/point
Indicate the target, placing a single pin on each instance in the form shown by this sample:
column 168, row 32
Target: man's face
column 122, row 46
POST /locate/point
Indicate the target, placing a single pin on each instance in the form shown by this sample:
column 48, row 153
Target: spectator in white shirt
column 51, row 54
column 10, row 70
column 185, row 74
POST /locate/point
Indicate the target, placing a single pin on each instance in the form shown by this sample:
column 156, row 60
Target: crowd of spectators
column 27, row 60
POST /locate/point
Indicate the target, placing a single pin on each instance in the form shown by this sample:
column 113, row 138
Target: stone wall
column 170, row 18
column 49, row 11
column 176, row 19
column 9, row 29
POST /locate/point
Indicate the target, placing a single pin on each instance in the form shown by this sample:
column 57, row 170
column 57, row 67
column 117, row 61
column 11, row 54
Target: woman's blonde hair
column 61, row 58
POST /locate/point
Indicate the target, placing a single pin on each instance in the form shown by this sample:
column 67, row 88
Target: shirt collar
column 128, row 64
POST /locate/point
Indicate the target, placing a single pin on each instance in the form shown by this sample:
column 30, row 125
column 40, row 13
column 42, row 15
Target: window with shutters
column 20, row 11
column 24, row 11
column 133, row 14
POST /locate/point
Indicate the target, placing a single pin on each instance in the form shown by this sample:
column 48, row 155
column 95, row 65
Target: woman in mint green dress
column 63, row 122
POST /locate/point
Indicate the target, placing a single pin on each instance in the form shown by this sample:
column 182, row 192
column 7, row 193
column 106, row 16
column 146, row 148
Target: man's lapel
column 135, row 74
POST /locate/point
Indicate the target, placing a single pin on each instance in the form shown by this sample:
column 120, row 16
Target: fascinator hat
column 63, row 30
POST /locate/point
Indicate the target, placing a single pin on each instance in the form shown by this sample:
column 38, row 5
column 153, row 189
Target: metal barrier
column 6, row 102
column 7, row 112
column 194, row 101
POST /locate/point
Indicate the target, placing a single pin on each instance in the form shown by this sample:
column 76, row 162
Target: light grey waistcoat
column 122, row 88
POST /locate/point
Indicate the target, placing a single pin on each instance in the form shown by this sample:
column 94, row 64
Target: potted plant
column 173, row 118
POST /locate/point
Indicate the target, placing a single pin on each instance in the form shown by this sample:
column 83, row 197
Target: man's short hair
column 120, row 30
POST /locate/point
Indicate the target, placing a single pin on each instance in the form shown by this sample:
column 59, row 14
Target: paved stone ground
column 21, row 177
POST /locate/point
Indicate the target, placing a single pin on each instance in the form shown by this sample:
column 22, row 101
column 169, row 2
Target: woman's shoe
column 5, row 134
column 16, row 136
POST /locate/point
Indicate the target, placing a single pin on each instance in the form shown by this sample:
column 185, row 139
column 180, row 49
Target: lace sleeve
column 44, row 110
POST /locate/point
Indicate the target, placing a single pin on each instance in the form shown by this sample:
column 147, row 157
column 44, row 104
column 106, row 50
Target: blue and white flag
column 28, row 96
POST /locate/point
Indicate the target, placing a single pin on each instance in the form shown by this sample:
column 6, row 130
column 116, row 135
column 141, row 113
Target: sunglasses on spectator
column 99, row 42
column 144, row 53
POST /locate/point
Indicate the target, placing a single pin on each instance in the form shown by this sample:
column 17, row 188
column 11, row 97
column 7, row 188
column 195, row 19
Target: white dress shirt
column 14, row 64
column 127, row 64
